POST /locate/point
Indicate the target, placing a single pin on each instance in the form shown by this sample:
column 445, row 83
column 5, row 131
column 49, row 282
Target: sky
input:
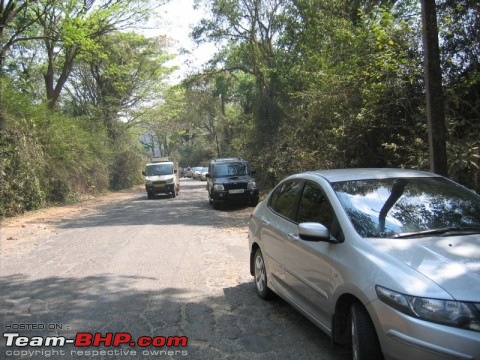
column 176, row 19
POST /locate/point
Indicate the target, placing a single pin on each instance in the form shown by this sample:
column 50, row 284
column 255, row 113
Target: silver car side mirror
column 312, row 231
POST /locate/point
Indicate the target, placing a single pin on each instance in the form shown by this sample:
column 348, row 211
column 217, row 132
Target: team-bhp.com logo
column 96, row 340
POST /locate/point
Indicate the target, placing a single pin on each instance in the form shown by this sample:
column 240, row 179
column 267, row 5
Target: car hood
column 451, row 262
column 158, row 177
column 234, row 179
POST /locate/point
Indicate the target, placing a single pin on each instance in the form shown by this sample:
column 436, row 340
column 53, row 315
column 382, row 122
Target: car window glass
column 161, row 169
column 392, row 207
column 314, row 206
column 231, row 169
column 285, row 198
column 273, row 198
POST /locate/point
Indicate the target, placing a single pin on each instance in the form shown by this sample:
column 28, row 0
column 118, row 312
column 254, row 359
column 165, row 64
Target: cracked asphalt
column 155, row 268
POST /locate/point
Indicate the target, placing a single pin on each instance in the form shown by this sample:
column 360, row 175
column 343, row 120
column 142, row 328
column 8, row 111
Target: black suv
column 230, row 180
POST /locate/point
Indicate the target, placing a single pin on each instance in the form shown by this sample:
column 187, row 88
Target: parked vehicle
column 385, row 261
column 229, row 180
column 203, row 174
column 188, row 172
column 161, row 177
column 197, row 172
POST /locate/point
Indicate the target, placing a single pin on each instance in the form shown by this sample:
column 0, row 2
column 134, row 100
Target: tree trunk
column 434, row 92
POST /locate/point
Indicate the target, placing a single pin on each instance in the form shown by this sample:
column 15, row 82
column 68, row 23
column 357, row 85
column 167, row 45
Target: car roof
column 336, row 175
column 159, row 163
column 230, row 159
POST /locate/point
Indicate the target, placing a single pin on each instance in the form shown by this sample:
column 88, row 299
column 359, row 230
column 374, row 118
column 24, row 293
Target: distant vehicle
column 189, row 172
column 230, row 180
column 203, row 174
column 197, row 172
column 161, row 177
column 384, row 261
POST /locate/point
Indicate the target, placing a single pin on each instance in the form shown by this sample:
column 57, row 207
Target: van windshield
column 231, row 169
column 159, row 169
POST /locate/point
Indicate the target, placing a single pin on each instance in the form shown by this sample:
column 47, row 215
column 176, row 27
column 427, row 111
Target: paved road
column 154, row 268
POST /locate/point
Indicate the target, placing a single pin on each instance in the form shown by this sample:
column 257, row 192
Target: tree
column 250, row 29
column 123, row 83
column 15, row 19
column 71, row 29
column 434, row 92
column 163, row 125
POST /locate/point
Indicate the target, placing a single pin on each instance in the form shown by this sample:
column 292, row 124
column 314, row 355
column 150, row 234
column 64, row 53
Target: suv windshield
column 408, row 207
column 231, row 169
column 159, row 169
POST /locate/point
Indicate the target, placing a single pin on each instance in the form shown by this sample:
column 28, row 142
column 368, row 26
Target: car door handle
column 293, row 237
column 265, row 222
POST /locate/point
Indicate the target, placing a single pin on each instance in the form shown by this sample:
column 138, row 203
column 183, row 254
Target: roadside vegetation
column 296, row 85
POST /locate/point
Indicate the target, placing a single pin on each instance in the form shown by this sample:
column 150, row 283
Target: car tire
column 364, row 342
column 173, row 195
column 151, row 195
column 260, row 276
column 215, row 204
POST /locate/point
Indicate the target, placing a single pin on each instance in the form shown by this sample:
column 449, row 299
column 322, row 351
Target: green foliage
column 21, row 156
column 298, row 85
column 126, row 163
column 50, row 158
column 21, row 162
column 59, row 149
column 76, row 161
column 335, row 83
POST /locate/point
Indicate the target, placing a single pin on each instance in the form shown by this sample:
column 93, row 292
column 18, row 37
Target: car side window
column 283, row 201
column 314, row 206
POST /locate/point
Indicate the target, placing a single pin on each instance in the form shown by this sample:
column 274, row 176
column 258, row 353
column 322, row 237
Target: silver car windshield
column 409, row 207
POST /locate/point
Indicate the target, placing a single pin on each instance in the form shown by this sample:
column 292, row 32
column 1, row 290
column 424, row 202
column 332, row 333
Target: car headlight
column 459, row 314
column 218, row 187
column 148, row 182
column 169, row 181
column 251, row 185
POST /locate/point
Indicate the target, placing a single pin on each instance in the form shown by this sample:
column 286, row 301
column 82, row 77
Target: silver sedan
column 385, row 261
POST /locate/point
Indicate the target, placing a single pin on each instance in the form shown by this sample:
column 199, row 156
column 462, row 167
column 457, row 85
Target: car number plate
column 236, row 191
column 158, row 186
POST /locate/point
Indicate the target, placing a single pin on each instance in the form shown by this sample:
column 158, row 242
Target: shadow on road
column 237, row 322
column 190, row 208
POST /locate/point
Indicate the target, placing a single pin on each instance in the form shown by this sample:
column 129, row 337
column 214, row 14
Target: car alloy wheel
column 261, row 276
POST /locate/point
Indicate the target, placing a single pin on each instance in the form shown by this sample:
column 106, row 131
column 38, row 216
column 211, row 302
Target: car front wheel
column 260, row 274
column 364, row 341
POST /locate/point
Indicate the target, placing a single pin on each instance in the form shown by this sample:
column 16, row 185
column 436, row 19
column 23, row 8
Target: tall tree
column 121, row 84
column 434, row 90
column 251, row 29
column 15, row 19
column 72, row 28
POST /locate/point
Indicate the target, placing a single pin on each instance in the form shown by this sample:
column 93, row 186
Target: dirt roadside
column 31, row 225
